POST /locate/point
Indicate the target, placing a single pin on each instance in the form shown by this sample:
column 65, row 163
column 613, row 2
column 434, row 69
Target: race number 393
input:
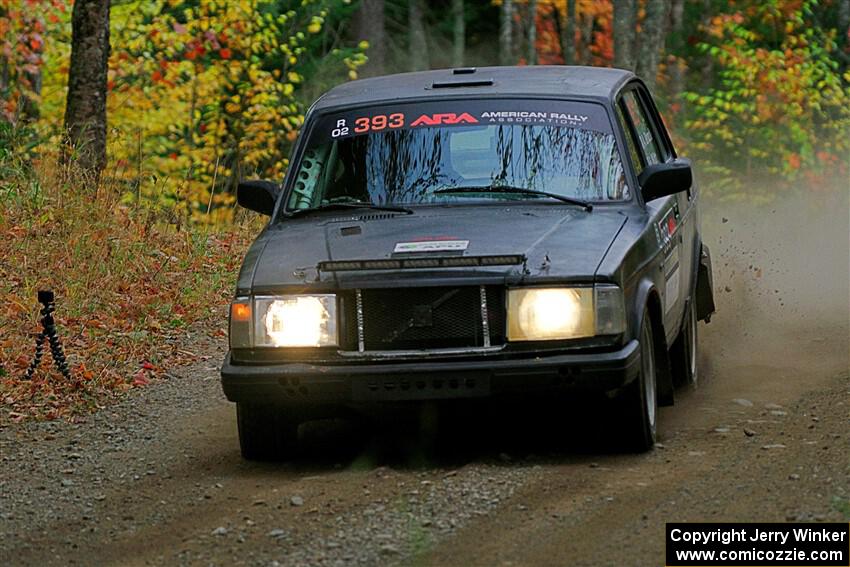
column 758, row 545
column 366, row 124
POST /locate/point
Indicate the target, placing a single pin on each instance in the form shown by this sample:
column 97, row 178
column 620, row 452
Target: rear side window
column 646, row 139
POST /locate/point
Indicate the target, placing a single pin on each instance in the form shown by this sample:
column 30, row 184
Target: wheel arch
column 648, row 296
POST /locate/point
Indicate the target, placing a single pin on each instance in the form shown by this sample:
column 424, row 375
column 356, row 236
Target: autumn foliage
column 781, row 109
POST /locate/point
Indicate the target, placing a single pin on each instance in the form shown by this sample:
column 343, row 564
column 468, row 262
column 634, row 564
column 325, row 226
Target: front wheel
column 639, row 401
column 264, row 432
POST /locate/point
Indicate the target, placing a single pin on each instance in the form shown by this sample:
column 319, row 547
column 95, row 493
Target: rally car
column 470, row 233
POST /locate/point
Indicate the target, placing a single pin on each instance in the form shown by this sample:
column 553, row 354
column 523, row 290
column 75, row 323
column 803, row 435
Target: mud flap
column 705, row 286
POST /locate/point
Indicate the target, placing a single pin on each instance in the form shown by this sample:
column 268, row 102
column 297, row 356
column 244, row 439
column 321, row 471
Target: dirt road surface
column 157, row 479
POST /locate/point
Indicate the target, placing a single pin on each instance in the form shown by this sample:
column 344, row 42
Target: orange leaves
column 779, row 103
column 121, row 316
column 22, row 34
column 793, row 160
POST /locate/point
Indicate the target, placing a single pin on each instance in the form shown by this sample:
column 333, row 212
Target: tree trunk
column 568, row 33
column 4, row 75
column 532, row 32
column 586, row 39
column 625, row 26
column 418, row 41
column 706, row 62
column 459, row 45
column 85, row 111
column 677, row 75
column 651, row 41
column 506, row 50
column 30, row 110
column 369, row 26
column 843, row 18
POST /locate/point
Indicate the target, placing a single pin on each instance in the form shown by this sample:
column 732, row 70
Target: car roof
column 600, row 83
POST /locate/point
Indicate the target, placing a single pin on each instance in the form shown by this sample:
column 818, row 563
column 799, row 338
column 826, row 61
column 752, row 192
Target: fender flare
column 647, row 295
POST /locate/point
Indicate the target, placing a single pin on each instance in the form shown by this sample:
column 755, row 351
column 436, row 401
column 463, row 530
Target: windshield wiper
column 350, row 205
column 515, row 190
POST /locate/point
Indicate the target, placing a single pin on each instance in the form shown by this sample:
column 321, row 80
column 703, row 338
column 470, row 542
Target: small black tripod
column 46, row 298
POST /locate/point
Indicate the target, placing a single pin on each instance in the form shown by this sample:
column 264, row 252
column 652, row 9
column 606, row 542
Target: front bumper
column 301, row 385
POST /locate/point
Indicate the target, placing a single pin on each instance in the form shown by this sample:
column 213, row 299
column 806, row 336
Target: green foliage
column 781, row 107
column 17, row 145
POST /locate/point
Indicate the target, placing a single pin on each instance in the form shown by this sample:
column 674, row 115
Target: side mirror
column 662, row 179
column 257, row 195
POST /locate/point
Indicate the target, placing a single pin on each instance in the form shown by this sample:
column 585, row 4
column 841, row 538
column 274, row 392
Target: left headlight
column 559, row 313
column 284, row 321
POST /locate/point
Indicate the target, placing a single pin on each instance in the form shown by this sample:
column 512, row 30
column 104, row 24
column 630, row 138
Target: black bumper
column 305, row 385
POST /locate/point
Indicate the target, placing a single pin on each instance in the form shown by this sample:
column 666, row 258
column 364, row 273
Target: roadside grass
column 130, row 284
column 841, row 504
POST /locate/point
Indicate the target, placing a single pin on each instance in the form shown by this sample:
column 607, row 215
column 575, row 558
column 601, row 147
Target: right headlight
column 284, row 321
column 559, row 313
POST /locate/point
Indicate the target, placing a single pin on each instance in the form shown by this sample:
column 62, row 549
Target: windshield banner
column 444, row 114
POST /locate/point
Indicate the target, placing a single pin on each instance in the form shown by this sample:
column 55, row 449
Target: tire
column 683, row 353
column 639, row 401
column 264, row 433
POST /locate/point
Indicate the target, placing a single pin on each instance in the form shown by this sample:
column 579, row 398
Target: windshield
column 406, row 154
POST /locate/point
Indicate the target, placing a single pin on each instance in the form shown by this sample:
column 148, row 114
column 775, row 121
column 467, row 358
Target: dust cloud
column 782, row 288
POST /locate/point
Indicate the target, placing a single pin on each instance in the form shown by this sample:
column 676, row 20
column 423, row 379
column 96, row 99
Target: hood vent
column 377, row 216
column 419, row 263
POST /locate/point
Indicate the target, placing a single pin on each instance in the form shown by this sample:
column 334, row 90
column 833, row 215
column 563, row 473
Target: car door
column 649, row 145
column 687, row 229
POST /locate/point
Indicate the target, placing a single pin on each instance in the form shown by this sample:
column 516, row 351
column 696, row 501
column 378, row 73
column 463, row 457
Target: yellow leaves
column 315, row 25
column 198, row 83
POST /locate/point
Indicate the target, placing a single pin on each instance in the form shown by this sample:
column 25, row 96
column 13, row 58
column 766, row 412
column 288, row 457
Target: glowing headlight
column 285, row 321
column 539, row 314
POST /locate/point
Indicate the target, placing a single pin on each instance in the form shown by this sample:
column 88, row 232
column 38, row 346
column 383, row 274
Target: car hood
column 556, row 242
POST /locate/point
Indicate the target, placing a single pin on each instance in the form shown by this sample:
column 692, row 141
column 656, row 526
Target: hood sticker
column 432, row 246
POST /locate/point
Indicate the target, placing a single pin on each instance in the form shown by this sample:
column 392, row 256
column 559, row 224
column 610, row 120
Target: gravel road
column 157, row 478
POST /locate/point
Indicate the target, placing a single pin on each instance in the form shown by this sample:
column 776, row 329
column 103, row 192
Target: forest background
column 126, row 125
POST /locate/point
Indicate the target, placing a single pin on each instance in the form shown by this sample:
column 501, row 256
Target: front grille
column 431, row 318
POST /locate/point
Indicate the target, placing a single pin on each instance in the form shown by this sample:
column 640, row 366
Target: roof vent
column 463, row 71
column 458, row 84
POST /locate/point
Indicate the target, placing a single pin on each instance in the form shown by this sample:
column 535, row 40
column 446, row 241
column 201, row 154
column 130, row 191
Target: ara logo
column 445, row 118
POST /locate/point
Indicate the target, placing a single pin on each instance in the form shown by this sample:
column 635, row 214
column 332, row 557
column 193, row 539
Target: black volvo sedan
column 470, row 233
